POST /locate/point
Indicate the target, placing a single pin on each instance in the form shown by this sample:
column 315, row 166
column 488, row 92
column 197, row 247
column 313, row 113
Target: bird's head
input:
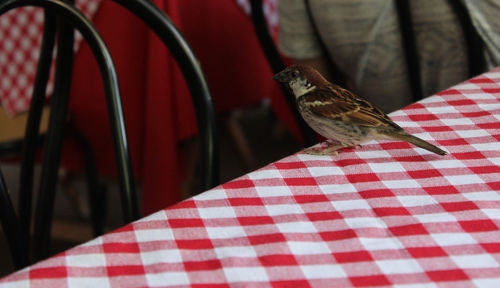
column 301, row 79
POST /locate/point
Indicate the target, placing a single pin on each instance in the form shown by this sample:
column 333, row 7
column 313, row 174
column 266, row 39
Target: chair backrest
column 11, row 227
column 161, row 25
column 273, row 57
column 474, row 45
column 69, row 17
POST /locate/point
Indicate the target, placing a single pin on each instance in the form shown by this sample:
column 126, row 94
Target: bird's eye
column 295, row 73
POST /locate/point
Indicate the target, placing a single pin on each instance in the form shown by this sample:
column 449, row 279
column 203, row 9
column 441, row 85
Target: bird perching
column 344, row 118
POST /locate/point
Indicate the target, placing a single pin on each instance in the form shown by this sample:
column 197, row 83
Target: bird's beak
column 281, row 77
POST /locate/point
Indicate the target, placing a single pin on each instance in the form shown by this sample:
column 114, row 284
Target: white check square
column 285, row 209
column 379, row 153
column 159, row 234
column 350, row 205
column 225, row 232
column 464, row 179
column 172, row 278
column 296, row 227
column 308, row 248
column 160, row 215
column 492, row 213
column 265, row 174
column 466, row 86
column 451, row 239
column 86, row 260
column 336, row 189
column 216, row 212
column 435, row 218
column 475, row 261
column 324, row 171
column 487, row 282
column 235, row 252
column 322, row 271
column 245, row 274
column 416, row 200
column 472, row 133
column 400, row 266
column 398, row 184
column 441, row 110
column 271, row 191
column 381, row 243
column 386, row 167
column 442, row 163
column 364, row 222
column 87, row 282
column 161, row 256
column 457, row 121
column 482, row 196
column 214, row 194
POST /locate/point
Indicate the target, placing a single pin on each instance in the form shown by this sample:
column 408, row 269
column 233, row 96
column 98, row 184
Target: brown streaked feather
column 333, row 102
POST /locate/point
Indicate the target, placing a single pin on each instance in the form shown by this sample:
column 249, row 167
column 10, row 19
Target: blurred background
column 157, row 105
column 387, row 51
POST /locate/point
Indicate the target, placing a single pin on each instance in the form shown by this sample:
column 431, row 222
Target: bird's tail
column 417, row 142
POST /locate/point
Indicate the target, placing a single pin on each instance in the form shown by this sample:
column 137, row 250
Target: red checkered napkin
column 386, row 214
column 20, row 39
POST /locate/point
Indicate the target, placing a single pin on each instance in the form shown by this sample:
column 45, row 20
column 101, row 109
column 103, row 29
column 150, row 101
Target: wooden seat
column 12, row 128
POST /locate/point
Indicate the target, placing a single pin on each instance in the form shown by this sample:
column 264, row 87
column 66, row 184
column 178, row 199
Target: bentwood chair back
column 474, row 44
column 18, row 231
column 163, row 27
column 276, row 62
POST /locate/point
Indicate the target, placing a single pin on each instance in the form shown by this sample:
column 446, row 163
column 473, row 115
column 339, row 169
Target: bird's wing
column 336, row 103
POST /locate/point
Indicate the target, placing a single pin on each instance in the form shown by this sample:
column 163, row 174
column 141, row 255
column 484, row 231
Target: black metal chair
column 474, row 48
column 13, row 141
column 273, row 57
column 473, row 42
column 53, row 140
column 190, row 68
column 163, row 27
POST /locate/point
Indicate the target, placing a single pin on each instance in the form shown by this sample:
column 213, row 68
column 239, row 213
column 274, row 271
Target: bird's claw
column 321, row 151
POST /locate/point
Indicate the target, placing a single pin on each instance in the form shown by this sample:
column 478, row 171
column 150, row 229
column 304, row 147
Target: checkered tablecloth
column 20, row 39
column 386, row 214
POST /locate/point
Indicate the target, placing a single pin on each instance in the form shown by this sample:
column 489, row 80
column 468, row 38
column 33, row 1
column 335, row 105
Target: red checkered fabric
column 386, row 214
column 270, row 8
column 20, row 38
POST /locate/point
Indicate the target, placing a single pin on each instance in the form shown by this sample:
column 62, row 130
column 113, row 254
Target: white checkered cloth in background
column 20, row 38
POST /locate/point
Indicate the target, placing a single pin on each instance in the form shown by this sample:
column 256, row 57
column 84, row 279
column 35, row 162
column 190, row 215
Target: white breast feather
column 301, row 87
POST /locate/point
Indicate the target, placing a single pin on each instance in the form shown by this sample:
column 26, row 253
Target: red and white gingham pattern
column 386, row 214
column 20, row 38
column 270, row 8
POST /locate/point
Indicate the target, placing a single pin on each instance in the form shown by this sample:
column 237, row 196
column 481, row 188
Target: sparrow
column 344, row 118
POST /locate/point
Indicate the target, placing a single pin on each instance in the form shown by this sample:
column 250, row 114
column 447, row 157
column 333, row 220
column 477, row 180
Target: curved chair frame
column 274, row 59
column 163, row 27
column 105, row 62
column 12, row 228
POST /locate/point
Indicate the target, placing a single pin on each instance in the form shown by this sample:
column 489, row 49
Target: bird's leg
column 332, row 148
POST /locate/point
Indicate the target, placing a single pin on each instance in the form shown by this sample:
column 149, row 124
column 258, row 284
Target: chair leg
column 97, row 192
column 53, row 145
column 11, row 227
